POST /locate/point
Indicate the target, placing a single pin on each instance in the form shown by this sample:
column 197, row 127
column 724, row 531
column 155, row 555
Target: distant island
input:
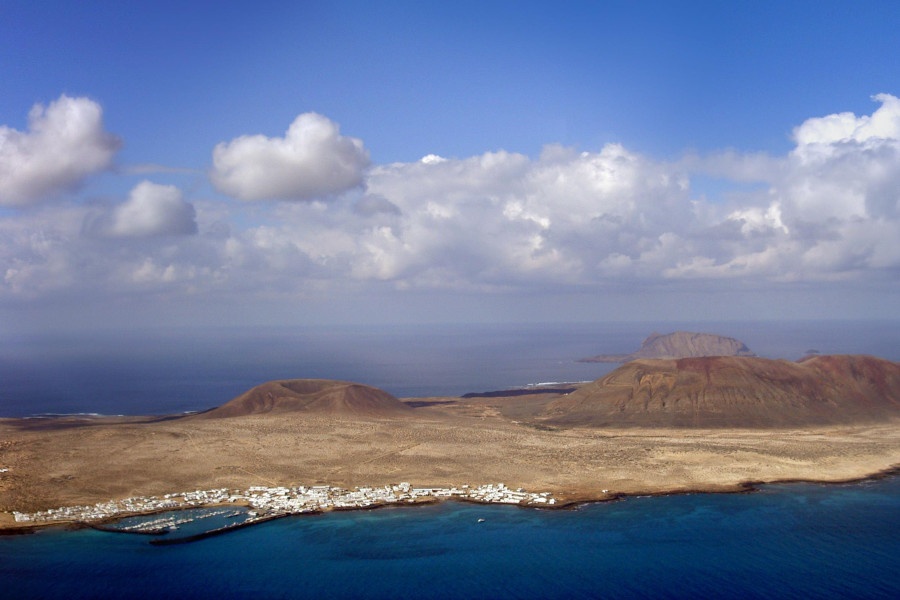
column 651, row 426
column 680, row 344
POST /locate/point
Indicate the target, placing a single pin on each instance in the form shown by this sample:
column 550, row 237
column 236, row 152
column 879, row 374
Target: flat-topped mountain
column 735, row 392
column 322, row 396
column 680, row 344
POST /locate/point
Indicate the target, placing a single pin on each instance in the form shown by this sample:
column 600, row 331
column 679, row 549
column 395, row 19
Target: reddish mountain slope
column 735, row 392
column 321, row 396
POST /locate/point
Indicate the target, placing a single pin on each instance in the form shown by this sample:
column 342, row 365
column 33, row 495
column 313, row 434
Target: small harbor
column 190, row 516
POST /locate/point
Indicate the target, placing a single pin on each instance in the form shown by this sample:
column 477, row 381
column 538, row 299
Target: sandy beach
column 444, row 442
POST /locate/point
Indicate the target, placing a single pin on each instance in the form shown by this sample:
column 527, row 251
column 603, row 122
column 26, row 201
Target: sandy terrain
column 447, row 441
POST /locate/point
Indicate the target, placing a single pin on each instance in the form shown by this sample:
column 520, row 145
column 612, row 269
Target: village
column 271, row 501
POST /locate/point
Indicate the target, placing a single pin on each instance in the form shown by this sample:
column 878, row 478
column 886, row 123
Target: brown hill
column 735, row 392
column 321, row 396
column 680, row 344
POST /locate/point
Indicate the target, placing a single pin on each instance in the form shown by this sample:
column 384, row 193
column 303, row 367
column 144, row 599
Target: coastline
column 562, row 502
column 444, row 441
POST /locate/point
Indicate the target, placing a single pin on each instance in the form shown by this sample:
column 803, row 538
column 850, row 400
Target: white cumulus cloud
column 498, row 221
column 502, row 219
column 843, row 178
column 65, row 143
column 150, row 210
column 312, row 160
column 884, row 123
column 754, row 219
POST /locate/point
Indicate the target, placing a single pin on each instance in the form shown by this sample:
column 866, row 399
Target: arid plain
column 427, row 441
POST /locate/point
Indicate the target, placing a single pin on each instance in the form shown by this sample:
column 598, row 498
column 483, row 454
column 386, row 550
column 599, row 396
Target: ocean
column 165, row 371
column 784, row 541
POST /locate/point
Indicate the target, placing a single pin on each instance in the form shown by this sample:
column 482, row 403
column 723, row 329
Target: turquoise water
column 786, row 541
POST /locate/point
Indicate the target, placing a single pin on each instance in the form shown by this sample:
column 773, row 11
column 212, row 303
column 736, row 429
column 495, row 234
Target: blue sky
column 641, row 160
column 454, row 79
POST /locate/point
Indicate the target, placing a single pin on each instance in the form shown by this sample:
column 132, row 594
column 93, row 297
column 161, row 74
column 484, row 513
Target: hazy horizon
column 168, row 370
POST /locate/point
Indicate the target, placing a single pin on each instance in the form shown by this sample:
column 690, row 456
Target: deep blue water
column 786, row 541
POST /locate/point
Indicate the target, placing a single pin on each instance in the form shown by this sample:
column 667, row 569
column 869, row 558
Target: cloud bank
column 826, row 212
column 64, row 144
